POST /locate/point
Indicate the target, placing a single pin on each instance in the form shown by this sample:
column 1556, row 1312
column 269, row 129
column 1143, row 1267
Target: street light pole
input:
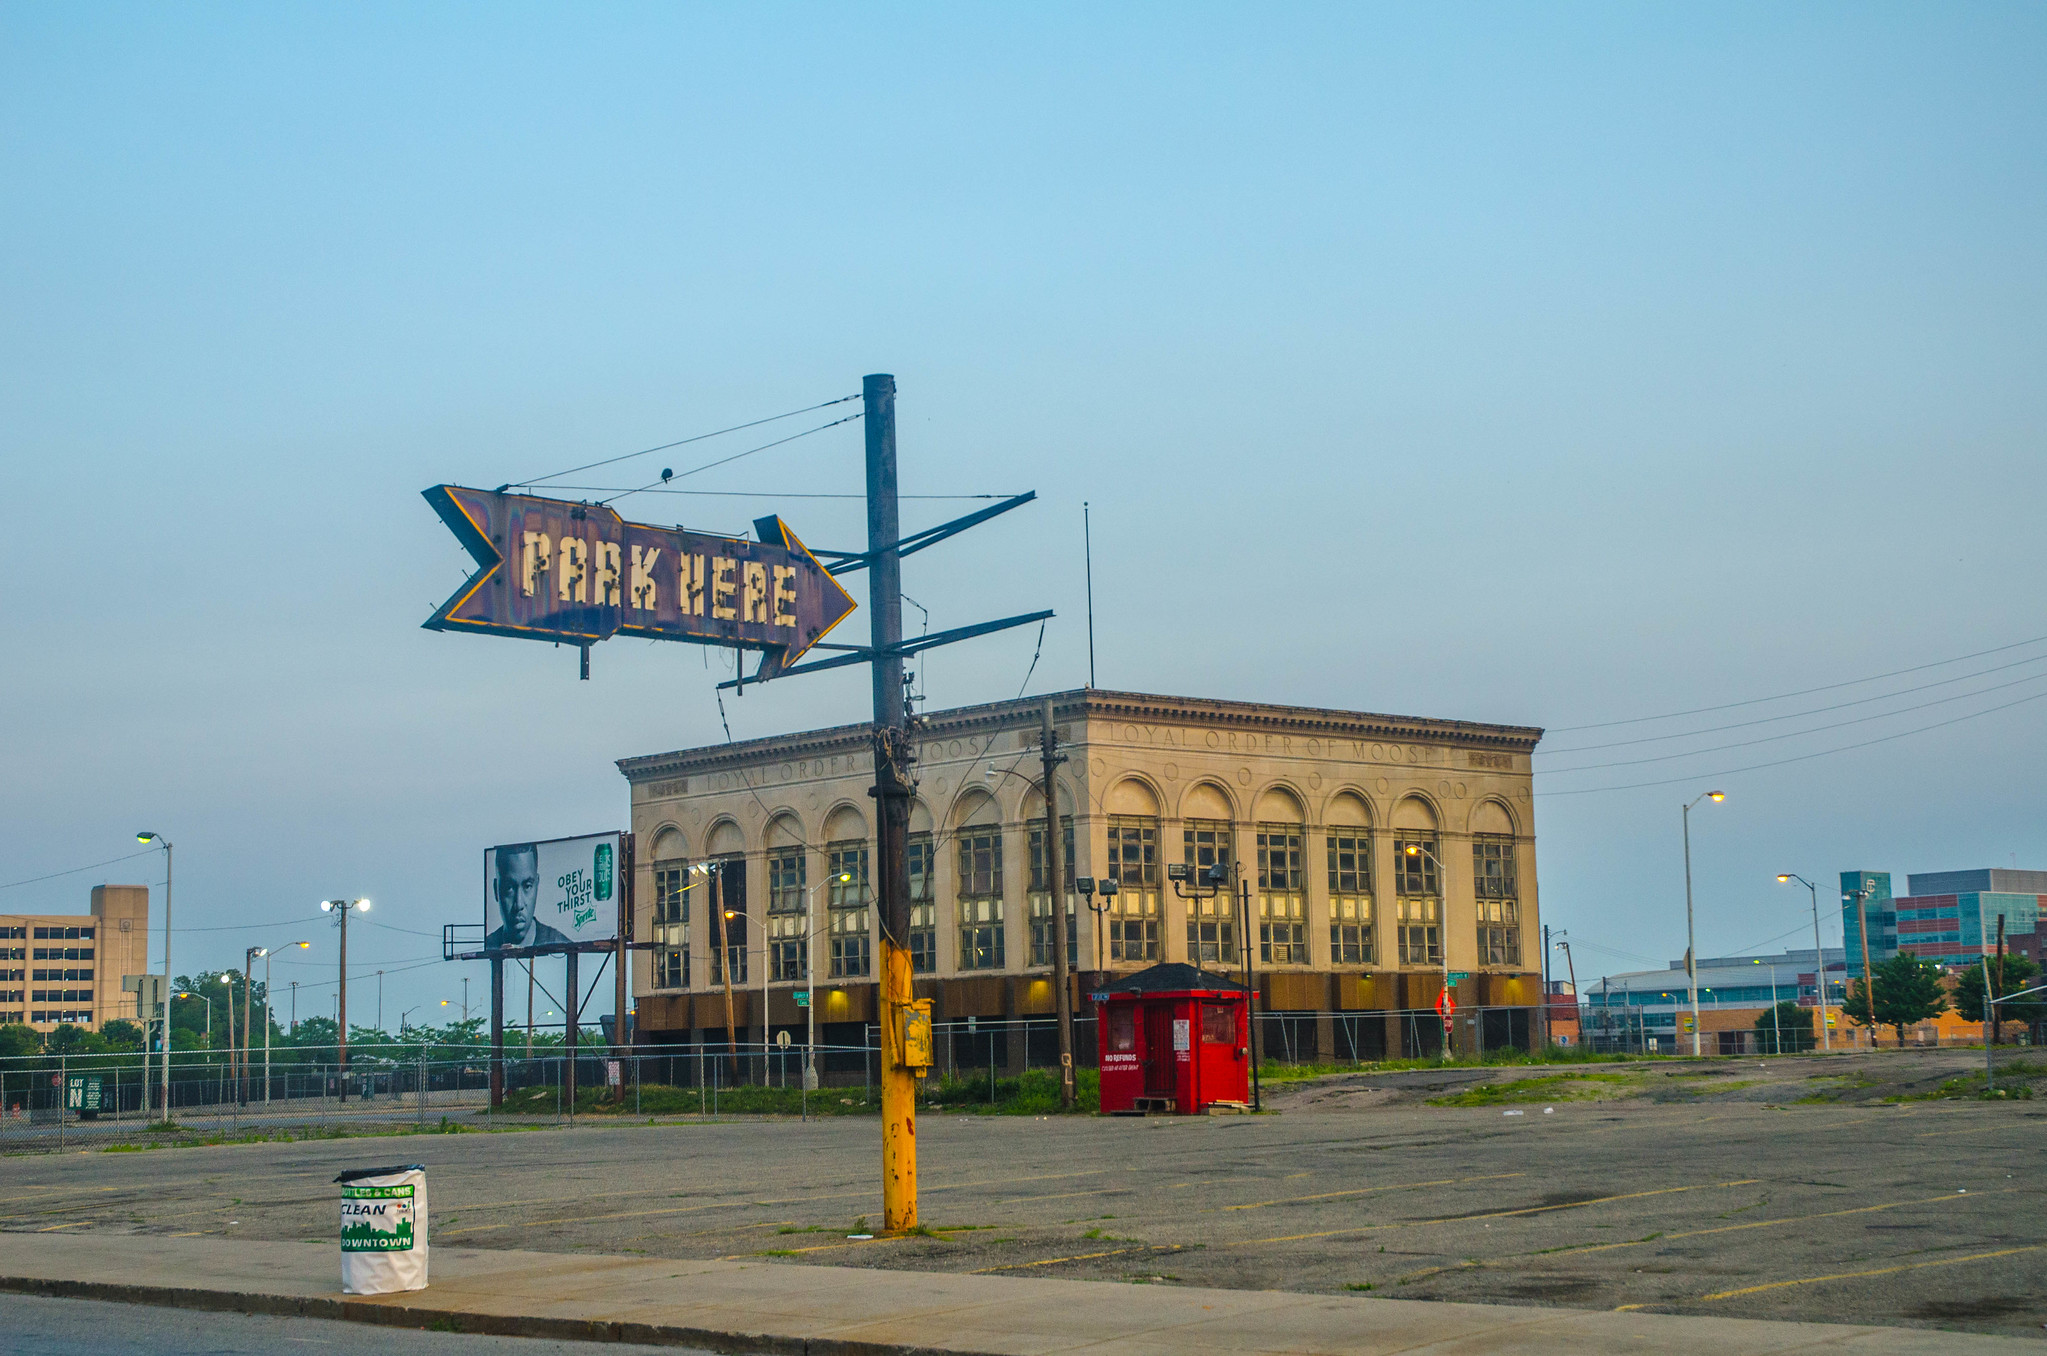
column 1055, row 892
column 1819, row 952
column 248, row 1043
column 1691, row 945
column 810, row 1076
column 147, row 837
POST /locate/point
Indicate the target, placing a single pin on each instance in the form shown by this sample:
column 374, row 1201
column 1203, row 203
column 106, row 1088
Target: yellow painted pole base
column 898, row 1098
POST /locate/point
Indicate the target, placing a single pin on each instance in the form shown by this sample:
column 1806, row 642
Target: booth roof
column 1175, row 977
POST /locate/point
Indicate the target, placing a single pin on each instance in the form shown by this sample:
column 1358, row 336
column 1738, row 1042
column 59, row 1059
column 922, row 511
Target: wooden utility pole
column 892, row 791
column 1055, row 889
column 724, row 960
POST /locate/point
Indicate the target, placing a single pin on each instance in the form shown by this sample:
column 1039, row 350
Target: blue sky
column 1554, row 365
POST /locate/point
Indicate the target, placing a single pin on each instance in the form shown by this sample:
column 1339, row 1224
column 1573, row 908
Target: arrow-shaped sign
column 555, row 570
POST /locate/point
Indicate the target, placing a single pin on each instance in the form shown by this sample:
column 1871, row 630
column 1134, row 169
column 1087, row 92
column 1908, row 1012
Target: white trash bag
column 383, row 1230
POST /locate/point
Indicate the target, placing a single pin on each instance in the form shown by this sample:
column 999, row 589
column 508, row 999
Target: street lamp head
column 731, row 913
column 1176, row 871
column 326, row 905
column 1109, row 887
column 145, row 838
column 303, row 946
column 845, row 878
column 259, row 951
column 1783, row 879
column 363, row 904
column 1716, row 796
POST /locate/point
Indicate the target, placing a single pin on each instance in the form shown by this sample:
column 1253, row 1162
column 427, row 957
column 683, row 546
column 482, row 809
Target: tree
column 73, row 1040
column 122, row 1034
column 17, row 1040
column 2019, row 974
column 1908, row 990
column 1786, row 1026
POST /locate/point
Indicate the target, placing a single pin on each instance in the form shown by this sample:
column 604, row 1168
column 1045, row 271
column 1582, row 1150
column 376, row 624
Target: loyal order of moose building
column 1382, row 854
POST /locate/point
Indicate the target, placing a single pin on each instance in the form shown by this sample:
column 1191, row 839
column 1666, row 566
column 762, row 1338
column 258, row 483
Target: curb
column 395, row 1315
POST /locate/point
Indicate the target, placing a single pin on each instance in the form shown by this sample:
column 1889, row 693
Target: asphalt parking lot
column 1776, row 1190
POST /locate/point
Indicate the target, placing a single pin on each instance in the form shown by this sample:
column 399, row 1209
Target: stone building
column 68, row 967
column 1352, row 933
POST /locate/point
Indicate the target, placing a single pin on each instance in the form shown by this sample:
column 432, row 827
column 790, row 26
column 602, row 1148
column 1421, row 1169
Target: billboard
column 553, row 892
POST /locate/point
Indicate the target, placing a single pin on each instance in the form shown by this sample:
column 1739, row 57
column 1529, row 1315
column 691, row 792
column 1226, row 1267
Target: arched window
column 923, row 892
column 1206, row 841
column 788, row 901
column 981, row 921
column 1133, row 863
column 1351, row 939
column 847, row 894
column 1494, row 883
column 671, row 911
column 1282, row 881
column 1418, row 883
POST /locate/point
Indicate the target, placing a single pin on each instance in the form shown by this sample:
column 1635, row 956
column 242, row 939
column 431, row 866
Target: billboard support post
column 627, row 871
column 573, row 1001
column 497, row 1033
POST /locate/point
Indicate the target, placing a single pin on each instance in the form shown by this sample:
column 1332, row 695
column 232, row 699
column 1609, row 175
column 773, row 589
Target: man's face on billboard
column 518, row 889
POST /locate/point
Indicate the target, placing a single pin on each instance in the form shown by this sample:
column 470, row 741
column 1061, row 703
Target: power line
column 1796, row 734
column 681, row 442
column 1801, row 758
column 667, row 476
column 1802, row 692
column 72, row 871
column 1794, row 715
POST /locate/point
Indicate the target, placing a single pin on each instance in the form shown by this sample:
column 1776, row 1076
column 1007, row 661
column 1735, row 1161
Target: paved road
column 61, row 1327
column 1716, row 1195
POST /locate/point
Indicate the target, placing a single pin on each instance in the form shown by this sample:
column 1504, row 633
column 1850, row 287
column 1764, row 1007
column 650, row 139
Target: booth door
column 1158, row 1050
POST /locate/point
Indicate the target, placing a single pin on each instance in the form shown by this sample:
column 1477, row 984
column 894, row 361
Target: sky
column 1551, row 365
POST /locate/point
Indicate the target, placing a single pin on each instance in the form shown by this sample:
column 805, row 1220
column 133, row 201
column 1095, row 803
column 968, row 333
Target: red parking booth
column 1173, row 1038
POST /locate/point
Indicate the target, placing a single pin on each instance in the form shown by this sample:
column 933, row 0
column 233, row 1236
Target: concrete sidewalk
column 791, row 1310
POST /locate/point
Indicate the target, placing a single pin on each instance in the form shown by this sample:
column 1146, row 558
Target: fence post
column 63, row 1095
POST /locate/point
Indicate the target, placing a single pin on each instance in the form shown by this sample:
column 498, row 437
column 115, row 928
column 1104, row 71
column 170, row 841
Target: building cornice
column 1093, row 704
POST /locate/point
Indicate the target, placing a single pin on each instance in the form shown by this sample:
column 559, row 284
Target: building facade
column 1630, row 1011
column 57, row 968
column 1318, row 810
column 1952, row 916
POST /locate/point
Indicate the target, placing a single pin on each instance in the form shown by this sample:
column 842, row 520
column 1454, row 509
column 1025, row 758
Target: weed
column 1360, row 1285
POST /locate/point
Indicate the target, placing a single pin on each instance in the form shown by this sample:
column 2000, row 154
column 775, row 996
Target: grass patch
column 660, row 1099
column 1272, row 1072
column 1032, row 1093
column 1556, row 1088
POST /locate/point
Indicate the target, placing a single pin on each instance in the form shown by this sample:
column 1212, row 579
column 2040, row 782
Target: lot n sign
column 575, row 574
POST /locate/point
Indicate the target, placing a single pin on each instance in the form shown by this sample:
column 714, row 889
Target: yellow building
column 68, row 967
column 1349, row 928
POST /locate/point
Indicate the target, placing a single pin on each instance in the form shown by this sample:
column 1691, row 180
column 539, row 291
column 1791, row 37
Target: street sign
column 83, row 1094
column 1459, row 976
column 1446, row 1002
column 571, row 573
column 802, row 998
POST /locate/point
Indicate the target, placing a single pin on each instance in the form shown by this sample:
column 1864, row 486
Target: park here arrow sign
column 556, row 570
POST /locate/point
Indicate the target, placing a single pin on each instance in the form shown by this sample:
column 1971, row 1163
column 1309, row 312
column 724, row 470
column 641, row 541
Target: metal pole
column 767, row 957
column 1055, row 891
column 1991, row 993
column 1691, row 947
column 267, row 1024
column 1087, row 539
column 347, row 907
column 892, row 793
column 380, row 1004
column 810, row 1075
column 1989, row 1006
column 248, row 1041
column 1776, row 1028
column 1868, row 978
column 167, row 979
column 1819, row 954
column 1243, row 889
